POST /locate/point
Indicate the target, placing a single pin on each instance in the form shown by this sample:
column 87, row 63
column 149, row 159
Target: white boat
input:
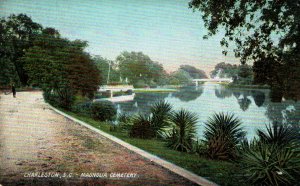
column 123, row 98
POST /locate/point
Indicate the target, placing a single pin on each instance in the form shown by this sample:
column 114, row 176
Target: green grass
column 221, row 172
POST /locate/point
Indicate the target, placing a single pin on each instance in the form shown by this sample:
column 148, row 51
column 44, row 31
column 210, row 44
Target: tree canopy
column 108, row 69
column 137, row 66
column 193, row 71
column 264, row 32
column 17, row 33
column 61, row 66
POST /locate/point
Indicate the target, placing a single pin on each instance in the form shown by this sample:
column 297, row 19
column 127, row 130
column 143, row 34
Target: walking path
column 35, row 139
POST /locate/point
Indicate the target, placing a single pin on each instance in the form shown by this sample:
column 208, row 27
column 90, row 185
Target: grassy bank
column 225, row 173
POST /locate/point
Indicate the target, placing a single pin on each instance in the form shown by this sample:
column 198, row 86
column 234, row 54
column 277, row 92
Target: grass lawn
column 221, row 172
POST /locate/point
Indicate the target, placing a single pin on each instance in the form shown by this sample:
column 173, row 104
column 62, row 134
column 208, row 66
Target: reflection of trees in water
column 259, row 97
column 141, row 102
column 222, row 92
column 285, row 113
column 244, row 103
column 187, row 94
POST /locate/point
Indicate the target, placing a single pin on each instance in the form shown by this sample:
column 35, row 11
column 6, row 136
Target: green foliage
column 142, row 127
column 82, row 108
column 160, row 115
column 181, row 138
column 125, row 122
column 272, row 42
column 276, row 134
column 180, row 77
column 103, row 110
column 193, row 71
column 60, row 65
column 273, row 158
column 225, row 70
column 140, row 84
column 137, row 66
column 153, row 125
column 222, row 136
column 105, row 66
column 63, row 100
column 17, row 33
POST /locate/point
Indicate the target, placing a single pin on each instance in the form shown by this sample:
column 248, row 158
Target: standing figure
column 13, row 89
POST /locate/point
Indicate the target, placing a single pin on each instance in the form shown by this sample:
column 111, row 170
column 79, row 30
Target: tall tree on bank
column 265, row 32
column 108, row 69
column 61, row 67
column 193, row 71
column 17, row 34
column 137, row 66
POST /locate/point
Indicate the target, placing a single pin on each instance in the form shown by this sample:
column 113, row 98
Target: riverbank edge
column 163, row 163
column 248, row 86
column 142, row 90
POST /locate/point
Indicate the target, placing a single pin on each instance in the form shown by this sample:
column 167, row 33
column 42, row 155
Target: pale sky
column 165, row 30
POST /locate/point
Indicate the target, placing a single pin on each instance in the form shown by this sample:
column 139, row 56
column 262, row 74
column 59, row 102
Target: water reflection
column 244, row 102
column 259, row 97
column 222, row 92
column 141, row 103
column 187, row 94
column 254, row 107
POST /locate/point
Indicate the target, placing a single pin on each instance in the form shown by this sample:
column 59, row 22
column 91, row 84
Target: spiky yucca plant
column 184, row 131
column 160, row 115
column 222, row 135
column 273, row 158
column 277, row 134
column 269, row 164
column 142, row 127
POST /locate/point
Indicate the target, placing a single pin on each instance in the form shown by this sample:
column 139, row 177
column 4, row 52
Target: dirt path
column 36, row 140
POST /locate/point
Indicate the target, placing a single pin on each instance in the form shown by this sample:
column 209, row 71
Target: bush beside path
column 35, row 139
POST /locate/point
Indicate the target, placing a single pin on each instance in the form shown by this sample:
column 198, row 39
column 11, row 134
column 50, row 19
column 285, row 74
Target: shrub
column 125, row 122
column 182, row 136
column 103, row 110
column 82, row 108
column 270, row 164
column 141, row 127
column 222, row 135
column 277, row 134
column 160, row 115
column 63, row 98
column 140, row 84
column 273, row 158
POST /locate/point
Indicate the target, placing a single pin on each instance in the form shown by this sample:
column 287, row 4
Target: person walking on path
column 13, row 89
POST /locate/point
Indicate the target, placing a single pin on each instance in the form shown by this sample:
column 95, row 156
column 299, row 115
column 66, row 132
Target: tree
column 137, row 66
column 193, row 71
column 17, row 36
column 223, row 70
column 265, row 32
column 61, row 67
column 7, row 73
column 105, row 66
column 180, row 77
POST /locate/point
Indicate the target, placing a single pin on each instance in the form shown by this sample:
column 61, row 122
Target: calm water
column 252, row 106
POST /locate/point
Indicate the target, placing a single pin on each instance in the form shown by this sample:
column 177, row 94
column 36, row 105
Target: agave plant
column 125, row 122
column 276, row 134
column 271, row 164
column 160, row 114
column 142, row 127
column 184, row 130
column 222, row 135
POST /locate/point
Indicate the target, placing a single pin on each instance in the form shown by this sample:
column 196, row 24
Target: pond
column 253, row 106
